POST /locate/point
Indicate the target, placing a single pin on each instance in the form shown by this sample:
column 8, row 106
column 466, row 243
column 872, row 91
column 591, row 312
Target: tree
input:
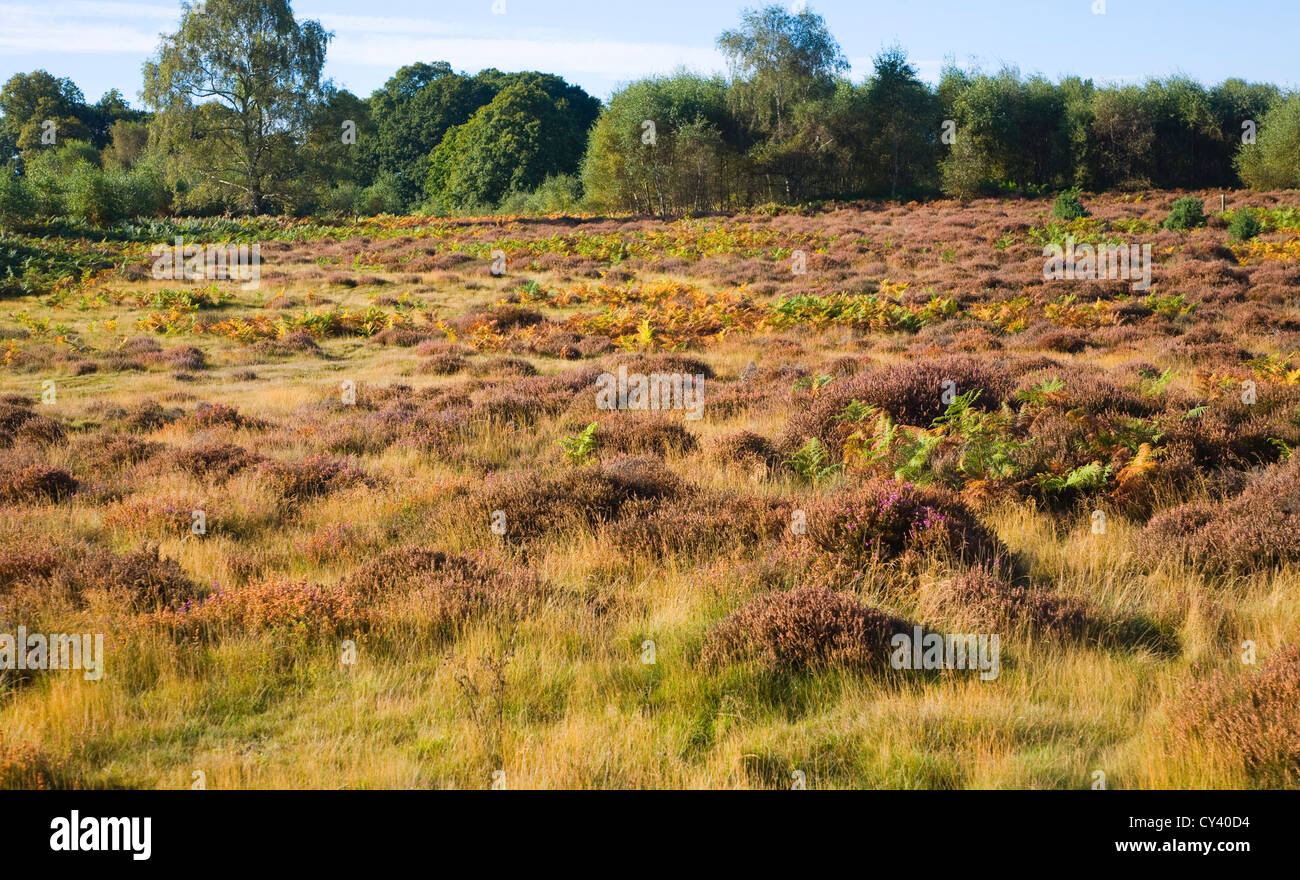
column 663, row 145
column 1121, row 138
column 332, row 154
column 509, row 146
column 234, row 89
column 1238, row 107
column 29, row 100
column 905, row 116
column 412, row 113
column 778, row 59
column 127, row 144
column 1273, row 161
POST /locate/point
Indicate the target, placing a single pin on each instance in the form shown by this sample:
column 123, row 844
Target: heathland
column 365, row 525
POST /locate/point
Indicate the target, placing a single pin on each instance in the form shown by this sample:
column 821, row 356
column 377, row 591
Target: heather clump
column 882, row 520
column 801, row 630
column 1251, row 715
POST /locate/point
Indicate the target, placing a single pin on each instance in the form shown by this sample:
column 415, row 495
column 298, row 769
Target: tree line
column 238, row 118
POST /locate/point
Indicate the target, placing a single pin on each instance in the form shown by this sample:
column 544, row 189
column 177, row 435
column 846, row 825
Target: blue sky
column 598, row 44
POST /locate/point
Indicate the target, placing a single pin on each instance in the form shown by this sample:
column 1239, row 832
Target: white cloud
column 615, row 59
column 386, row 42
column 76, row 27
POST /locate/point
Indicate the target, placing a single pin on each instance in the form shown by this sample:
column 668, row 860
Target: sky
column 599, row 44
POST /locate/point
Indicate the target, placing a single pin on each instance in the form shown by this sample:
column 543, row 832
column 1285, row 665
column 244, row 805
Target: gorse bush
column 1068, row 206
column 1187, row 213
column 1244, row 225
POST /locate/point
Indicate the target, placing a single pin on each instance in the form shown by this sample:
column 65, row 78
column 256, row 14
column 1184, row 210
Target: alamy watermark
column 214, row 262
column 26, row 650
column 1083, row 262
column 922, row 650
column 656, row 391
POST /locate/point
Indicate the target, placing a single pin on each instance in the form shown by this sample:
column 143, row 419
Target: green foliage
column 1088, row 478
column 1158, row 384
column 1042, row 393
column 509, row 146
column 559, row 193
column 17, row 202
column 1187, row 213
column 663, row 145
column 384, row 196
column 1273, row 161
column 1170, row 305
column 779, row 59
column 987, row 450
column 580, row 447
column 1244, row 225
column 813, row 461
column 234, row 89
column 1068, row 206
column 813, row 383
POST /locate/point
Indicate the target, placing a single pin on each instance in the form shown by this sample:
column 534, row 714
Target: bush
column 1068, row 206
column 453, row 589
column 982, row 600
column 1187, row 213
column 803, row 629
column 17, row 201
column 1244, row 225
column 1253, row 716
column 887, row 519
column 381, row 197
column 90, row 197
column 311, row 477
column 589, row 495
column 214, row 461
column 558, row 194
column 700, row 523
column 36, row 483
column 1256, row 531
column 628, row 433
column 342, row 198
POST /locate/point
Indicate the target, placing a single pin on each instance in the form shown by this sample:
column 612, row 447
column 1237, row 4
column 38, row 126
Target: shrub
column 454, row 589
column 1254, row 716
column 148, row 580
column 1068, row 206
column 887, row 519
column 703, row 522
column 219, row 415
column 803, row 629
column 1244, row 225
column 17, row 201
column 36, row 483
column 214, row 461
column 982, row 600
column 588, row 495
column 1273, row 161
column 1256, row 531
column 1187, row 213
column 148, row 415
column 443, row 364
column 278, row 603
column 628, row 433
column 381, row 197
column 311, row 477
column 911, row 393
column 743, row 447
